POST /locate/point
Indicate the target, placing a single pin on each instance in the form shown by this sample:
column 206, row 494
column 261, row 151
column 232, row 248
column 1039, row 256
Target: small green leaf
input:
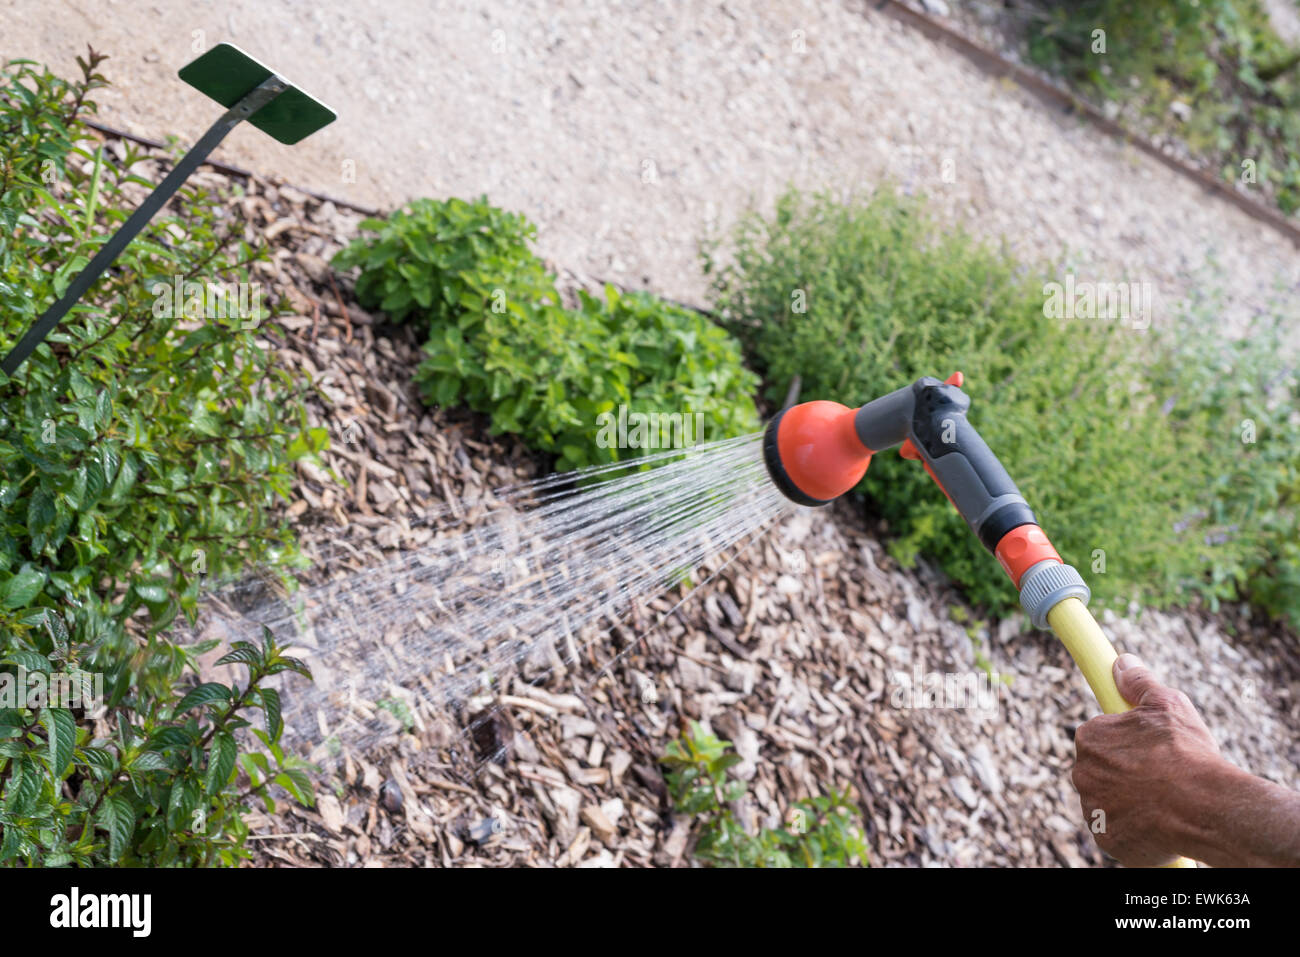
column 221, row 762
column 204, row 694
column 242, row 653
column 153, row 592
column 23, row 788
column 719, row 766
column 100, row 759
column 297, row 782
column 29, row 660
column 271, row 710
column 285, row 663
column 23, row 587
column 61, row 733
column 117, row 817
column 170, row 737
column 148, row 761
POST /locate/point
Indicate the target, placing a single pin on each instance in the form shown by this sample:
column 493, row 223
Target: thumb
column 1133, row 679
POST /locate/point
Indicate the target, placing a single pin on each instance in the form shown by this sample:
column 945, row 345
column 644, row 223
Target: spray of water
column 548, row 568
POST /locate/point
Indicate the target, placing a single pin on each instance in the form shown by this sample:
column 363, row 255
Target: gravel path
column 627, row 131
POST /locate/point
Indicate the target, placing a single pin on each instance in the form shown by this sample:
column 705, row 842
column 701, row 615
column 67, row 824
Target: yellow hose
column 1095, row 656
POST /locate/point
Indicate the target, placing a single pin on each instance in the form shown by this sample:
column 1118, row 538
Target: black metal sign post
column 219, row 71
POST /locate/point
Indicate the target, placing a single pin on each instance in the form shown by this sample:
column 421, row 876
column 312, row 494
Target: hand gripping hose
column 817, row 451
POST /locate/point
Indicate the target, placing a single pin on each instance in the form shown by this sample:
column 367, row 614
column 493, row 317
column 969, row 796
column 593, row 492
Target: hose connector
column 1047, row 584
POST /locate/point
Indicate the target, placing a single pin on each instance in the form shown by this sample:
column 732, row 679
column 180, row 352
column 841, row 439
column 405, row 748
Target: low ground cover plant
column 823, row 831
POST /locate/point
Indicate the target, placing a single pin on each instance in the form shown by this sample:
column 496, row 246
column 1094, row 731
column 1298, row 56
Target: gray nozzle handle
column 931, row 416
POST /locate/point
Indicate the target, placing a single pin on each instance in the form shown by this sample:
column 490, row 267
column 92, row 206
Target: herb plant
column 821, row 832
column 501, row 342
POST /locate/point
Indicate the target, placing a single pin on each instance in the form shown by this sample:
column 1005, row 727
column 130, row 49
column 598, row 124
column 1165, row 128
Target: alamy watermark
column 955, row 691
column 80, row 691
column 649, row 430
column 191, row 299
column 1129, row 303
column 74, row 910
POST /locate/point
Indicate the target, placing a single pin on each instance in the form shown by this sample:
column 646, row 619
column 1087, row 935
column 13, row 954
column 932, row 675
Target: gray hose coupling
column 1047, row 583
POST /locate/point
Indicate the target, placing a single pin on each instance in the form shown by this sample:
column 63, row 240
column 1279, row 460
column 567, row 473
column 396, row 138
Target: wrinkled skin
column 1164, row 789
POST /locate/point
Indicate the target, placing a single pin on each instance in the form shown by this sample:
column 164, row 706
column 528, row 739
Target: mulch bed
column 802, row 649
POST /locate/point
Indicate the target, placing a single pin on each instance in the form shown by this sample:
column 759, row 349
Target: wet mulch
column 811, row 649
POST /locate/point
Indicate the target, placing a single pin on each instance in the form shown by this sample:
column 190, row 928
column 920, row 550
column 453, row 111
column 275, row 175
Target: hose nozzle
column 813, row 452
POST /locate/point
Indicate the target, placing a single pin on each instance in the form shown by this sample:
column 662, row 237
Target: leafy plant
column 822, row 831
column 1241, row 395
column 501, row 342
column 143, row 449
column 435, row 257
column 155, row 786
column 1122, row 466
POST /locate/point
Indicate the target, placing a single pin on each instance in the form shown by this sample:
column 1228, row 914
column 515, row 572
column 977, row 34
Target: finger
column 1133, row 679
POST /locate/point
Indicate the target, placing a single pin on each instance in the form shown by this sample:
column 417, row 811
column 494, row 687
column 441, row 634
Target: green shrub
column 823, row 831
column 1221, row 59
column 1241, row 396
column 142, row 449
column 1122, row 489
column 436, row 258
column 501, row 343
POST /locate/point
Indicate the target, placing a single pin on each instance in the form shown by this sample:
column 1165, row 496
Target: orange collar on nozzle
column 813, row 452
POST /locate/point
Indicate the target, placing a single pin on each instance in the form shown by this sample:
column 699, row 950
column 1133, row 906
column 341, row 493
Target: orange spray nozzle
column 813, row 452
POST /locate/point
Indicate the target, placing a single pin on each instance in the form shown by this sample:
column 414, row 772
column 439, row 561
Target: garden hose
column 816, row 451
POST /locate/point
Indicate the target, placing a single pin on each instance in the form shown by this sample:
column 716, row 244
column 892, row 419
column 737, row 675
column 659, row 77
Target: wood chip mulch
column 802, row 650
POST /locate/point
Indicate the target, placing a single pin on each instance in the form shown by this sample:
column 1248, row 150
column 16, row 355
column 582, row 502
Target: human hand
column 1141, row 774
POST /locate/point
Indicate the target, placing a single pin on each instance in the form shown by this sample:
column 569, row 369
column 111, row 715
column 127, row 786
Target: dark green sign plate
column 226, row 73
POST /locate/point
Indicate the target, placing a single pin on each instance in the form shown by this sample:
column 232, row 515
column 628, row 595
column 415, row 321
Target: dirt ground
column 627, row 131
